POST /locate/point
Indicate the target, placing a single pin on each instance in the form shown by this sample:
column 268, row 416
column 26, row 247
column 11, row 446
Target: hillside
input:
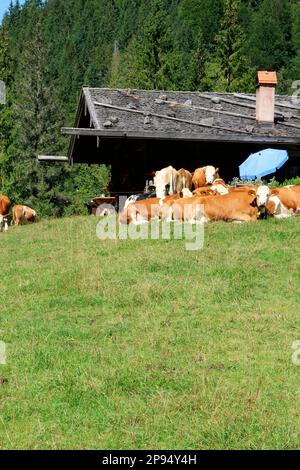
column 141, row 344
column 49, row 49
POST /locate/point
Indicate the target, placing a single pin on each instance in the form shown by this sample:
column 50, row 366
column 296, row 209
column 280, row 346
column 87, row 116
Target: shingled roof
column 139, row 114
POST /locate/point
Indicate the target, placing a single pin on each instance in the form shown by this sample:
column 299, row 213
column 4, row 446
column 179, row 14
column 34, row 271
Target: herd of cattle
column 197, row 197
column 203, row 196
column 19, row 215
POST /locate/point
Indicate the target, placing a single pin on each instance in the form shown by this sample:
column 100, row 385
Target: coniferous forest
column 49, row 49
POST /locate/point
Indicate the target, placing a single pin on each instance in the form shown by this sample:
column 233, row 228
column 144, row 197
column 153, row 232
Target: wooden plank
column 288, row 124
column 210, row 110
column 164, row 116
column 52, row 158
column 91, row 107
column 146, row 135
column 93, row 132
column 280, row 105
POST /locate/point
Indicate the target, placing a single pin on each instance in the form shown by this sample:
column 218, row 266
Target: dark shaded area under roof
column 138, row 131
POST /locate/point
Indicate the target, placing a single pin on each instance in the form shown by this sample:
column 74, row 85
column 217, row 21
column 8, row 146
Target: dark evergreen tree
column 270, row 35
column 49, row 49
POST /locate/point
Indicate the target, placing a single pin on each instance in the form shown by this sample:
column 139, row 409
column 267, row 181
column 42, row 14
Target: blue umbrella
column 263, row 163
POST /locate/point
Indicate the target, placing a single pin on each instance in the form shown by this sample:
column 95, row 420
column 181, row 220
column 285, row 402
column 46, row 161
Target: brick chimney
column 265, row 98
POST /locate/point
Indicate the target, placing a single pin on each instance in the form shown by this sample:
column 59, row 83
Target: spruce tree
column 36, row 128
column 229, row 43
column 269, row 43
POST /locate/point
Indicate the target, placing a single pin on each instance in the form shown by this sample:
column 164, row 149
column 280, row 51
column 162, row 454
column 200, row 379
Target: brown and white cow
column 4, row 209
column 165, row 182
column 23, row 214
column 141, row 212
column 220, row 186
column 204, row 176
column 239, row 207
column 276, row 209
column 4, row 205
column 149, row 209
column 289, row 201
column 184, row 180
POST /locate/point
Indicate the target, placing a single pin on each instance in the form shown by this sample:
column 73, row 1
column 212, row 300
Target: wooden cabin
column 137, row 132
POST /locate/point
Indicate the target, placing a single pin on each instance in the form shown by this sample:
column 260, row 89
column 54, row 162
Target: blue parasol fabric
column 263, row 163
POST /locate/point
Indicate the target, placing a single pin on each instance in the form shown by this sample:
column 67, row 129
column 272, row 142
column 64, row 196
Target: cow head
column 263, row 194
column 211, row 174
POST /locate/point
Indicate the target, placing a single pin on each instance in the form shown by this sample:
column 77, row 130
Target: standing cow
column 165, row 182
column 184, row 180
column 23, row 214
column 205, row 176
column 4, row 205
column 4, row 209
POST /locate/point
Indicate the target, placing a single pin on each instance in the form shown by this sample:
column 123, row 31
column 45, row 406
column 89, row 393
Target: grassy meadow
column 142, row 344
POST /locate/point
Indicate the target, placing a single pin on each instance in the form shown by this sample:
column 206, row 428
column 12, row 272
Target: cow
column 276, row 209
column 141, row 212
column 23, row 214
column 289, row 199
column 3, row 224
column 220, row 186
column 165, row 182
column 239, row 207
column 204, row 176
column 276, row 202
column 4, row 205
column 184, row 180
column 149, row 209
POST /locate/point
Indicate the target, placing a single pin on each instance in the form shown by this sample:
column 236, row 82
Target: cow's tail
column 171, row 190
column 173, row 184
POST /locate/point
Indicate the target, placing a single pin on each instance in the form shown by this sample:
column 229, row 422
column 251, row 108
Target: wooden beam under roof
column 195, row 137
column 52, row 158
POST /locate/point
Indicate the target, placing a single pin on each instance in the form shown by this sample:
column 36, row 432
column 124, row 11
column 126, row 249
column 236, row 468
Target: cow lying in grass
column 149, row 209
column 239, row 207
column 284, row 202
column 242, row 206
column 219, row 202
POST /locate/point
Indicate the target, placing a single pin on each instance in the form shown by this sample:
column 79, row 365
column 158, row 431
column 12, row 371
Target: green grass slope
column 141, row 344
